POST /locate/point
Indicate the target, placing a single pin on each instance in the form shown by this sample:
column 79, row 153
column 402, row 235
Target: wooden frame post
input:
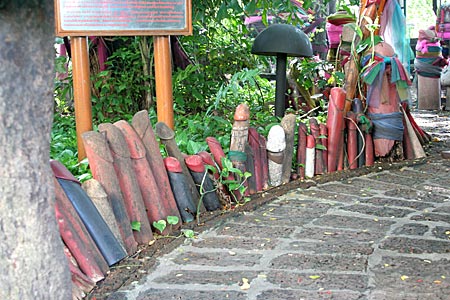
column 81, row 90
column 163, row 80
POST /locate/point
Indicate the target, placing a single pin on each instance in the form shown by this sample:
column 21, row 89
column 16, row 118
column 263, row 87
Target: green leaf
column 84, row 177
column 222, row 13
column 236, row 171
column 188, row 233
column 194, row 147
column 211, row 168
column 160, row 225
column 172, row 220
column 367, row 43
column 226, row 163
column 321, row 147
column 242, row 189
column 233, row 186
column 250, row 8
column 136, row 226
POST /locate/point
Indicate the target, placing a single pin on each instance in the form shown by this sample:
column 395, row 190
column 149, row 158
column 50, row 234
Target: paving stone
column 369, row 185
column 418, row 246
column 378, row 211
column 321, row 262
column 349, row 248
column 337, row 221
column 258, row 231
column 235, row 242
column 434, row 170
column 442, row 180
column 305, row 295
column 318, row 281
column 397, row 178
column 442, row 209
column 412, row 229
column 217, row 259
column 283, row 206
column 417, row 195
column 386, row 201
column 420, row 171
column 435, row 190
column 332, row 196
column 395, row 294
column 263, row 219
column 174, row 294
column 346, row 189
column 442, row 232
column 413, row 275
column 432, row 217
column 116, row 296
column 336, row 235
column 207, row 277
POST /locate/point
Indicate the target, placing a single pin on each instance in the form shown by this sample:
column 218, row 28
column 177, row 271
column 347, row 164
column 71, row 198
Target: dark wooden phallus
column 167, row 137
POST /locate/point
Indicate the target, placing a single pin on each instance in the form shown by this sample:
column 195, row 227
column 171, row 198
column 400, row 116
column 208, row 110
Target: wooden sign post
column 81, row 90
column 81, row 18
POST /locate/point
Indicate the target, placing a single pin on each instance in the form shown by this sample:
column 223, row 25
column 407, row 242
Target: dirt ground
column 134, row 268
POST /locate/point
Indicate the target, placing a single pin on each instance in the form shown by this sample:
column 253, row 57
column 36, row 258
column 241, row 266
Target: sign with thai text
column 123, row 17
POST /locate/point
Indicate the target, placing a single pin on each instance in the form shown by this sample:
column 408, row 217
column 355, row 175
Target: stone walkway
column 385, row 235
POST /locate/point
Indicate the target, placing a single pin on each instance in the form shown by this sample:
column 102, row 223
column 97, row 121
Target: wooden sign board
column 123, row 17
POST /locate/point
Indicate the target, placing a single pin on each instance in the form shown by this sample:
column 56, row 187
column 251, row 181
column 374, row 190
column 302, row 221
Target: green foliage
column 162, row 224
column 119, row 91
column 63, row 82
column 136, row 226
column 172, row 220
column 188, row 233
column 233, row 179
column 63, row 147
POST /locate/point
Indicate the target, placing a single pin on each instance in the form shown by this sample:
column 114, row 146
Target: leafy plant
column 162, row 224
column 121, row 89
column 172, row 220
column 188, row 233
column 136, row 225
column 64, row 147
column 234, row 181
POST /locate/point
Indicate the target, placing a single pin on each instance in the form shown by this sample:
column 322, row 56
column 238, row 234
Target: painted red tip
column 195, row 163
column 172, row 165
column 207, row 158
column 60, row 171
column 310, row 141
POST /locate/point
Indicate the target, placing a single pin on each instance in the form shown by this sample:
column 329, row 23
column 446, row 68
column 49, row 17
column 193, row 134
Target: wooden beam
column 81, row 90
column 163, row 80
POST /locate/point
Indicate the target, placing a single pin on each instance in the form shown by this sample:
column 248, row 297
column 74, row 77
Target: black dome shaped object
column 282, row 38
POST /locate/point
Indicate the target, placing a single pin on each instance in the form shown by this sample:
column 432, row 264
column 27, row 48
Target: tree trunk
column 33, row 265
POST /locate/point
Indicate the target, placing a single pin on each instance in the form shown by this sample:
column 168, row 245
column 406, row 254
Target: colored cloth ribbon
column 387, row 126
column 428, row 66
column 373, row 76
